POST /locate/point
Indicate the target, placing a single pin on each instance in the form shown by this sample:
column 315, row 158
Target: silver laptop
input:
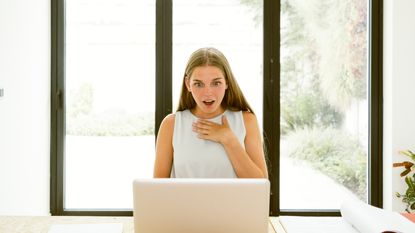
column 201, row 205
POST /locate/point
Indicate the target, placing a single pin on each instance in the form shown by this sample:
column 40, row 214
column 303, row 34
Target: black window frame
column 271, row 105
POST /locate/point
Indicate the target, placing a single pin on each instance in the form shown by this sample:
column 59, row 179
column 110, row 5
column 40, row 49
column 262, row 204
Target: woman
column 214, row 132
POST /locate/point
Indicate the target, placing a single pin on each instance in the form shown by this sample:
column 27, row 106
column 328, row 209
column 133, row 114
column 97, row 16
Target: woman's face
column 207, row 85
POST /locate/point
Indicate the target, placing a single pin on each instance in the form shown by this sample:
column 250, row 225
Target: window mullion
column 375, row 99
column 57, row 107
column 271, row 127
column 164, row 19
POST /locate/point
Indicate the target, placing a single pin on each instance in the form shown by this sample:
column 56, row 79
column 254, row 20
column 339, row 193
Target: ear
column 187, row 82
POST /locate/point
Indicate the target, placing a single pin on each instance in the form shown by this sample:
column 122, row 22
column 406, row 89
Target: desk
column 41, row 224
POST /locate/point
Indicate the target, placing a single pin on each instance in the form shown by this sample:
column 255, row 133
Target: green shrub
column 306, row 109
column 333, row 152
column 111, row 124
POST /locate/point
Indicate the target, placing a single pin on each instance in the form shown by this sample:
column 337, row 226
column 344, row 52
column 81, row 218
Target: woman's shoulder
column 168, row 121
column 170, row 117
column 249, row 118
column 248, row 115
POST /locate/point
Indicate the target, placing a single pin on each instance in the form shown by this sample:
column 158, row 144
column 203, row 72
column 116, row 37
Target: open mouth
column 208, row 102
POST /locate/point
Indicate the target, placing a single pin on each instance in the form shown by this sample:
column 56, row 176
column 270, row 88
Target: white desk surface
column 41, row 224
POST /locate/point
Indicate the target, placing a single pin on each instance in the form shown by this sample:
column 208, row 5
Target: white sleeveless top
column 200, row 158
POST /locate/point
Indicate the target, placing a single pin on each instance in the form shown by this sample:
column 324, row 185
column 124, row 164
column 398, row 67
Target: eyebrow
column 215, row 79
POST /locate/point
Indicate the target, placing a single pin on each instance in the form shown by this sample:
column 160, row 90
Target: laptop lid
column 201, row 205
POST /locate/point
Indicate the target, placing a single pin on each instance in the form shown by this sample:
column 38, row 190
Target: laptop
column 201, row 205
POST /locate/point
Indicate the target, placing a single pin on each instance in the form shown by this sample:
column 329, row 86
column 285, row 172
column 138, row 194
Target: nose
column 207, row 90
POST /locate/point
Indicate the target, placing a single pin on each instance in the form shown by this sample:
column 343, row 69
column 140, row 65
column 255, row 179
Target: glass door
column 110, row 101
column 324, row 103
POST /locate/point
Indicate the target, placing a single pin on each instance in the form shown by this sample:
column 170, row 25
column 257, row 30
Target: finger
column 202, row 136
column 201, row 130
column 199, row 126
column 205, row 122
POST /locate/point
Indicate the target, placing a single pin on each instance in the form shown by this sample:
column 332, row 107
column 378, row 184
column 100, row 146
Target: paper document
column 370, row 219
column 294, row 224
column 87, row 228
column 357, row 217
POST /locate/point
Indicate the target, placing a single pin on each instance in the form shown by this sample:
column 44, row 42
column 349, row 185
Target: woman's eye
column 198, row 84
column 217, row 83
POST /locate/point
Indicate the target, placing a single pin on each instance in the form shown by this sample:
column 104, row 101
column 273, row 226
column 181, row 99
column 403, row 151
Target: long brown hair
column 233, row 100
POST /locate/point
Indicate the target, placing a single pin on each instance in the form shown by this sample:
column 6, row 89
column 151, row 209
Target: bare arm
column 248, row 162
column 164, row 148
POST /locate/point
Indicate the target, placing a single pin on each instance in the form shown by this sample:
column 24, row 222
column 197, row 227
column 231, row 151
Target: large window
column 311, row 70
column 109, row 104
column 324, row 102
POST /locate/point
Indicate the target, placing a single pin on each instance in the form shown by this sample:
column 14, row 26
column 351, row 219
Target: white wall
column 399, row 93
column 25, row 107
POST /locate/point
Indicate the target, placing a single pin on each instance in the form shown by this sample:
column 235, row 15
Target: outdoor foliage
column 333, row 32
column 323, row 55
column 334, row 153
column 304, row 106
column 323, row 71
column 82, row 121
column 112, row 124
column 80, row 100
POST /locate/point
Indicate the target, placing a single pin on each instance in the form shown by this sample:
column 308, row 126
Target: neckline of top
column 212, row 118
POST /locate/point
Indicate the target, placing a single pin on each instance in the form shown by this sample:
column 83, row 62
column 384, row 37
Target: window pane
column 324, row 104
column 232, row 26
column 110, row 99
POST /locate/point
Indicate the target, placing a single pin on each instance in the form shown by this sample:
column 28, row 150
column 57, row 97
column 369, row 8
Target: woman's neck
column 203, row 115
